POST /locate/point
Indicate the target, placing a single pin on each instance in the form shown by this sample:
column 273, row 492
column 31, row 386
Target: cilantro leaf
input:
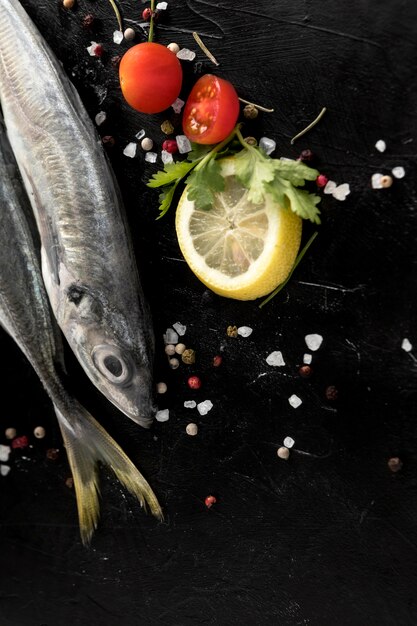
column 165, row 199
column 170, row 174
column 300, row 201
column 198, row 151
column 296, row 172
column 203, row 184
column 254, row 170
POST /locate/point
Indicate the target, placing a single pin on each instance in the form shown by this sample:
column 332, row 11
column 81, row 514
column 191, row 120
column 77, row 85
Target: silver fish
column 88, row 263
column 25, row 314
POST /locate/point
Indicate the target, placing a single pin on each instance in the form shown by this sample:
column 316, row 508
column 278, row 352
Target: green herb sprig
column 258, row 172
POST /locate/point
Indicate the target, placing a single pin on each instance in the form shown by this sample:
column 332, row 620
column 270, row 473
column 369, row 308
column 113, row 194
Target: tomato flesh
column 211, row 110
column 150, row 77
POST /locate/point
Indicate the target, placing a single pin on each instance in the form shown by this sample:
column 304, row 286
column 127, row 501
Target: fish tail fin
column 86, row 443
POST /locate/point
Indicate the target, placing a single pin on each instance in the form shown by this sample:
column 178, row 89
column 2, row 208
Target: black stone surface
column 328, row 537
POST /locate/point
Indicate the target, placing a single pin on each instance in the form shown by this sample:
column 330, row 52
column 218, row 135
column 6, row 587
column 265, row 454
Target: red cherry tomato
column 150, row 77
column 211, row 110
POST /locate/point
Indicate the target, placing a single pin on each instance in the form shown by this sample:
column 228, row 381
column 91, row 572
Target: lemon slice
column 238, row 249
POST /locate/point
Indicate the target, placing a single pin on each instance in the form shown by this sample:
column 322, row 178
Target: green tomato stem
column 150, row 35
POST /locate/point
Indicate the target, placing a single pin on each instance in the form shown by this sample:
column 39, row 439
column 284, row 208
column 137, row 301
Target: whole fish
column 88, row 263
column 25, row 314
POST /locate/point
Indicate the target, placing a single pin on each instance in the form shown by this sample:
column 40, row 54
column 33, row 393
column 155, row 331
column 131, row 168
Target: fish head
column 110, row 350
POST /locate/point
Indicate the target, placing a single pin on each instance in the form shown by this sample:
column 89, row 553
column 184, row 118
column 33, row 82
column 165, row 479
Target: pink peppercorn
column 217, row 360
column 321, row 180
column 170, row 145
column 147, row 14
column 20, row 442
column 194, row 382
column 209, row 501
column 98, row 50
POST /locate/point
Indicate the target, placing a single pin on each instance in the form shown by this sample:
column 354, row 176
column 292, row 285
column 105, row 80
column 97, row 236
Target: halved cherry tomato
column 211, row 110
column 150, row 77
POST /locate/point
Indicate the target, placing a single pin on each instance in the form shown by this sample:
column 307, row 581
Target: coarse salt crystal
column 330, row 187
column 267, row 145
column 4, row 453
column 177, row 105
column 4, row 470
column 186, row 55
column 118, row 36
column 180, row 328
column 341, row 192
column 190, row 404
column 151, row 157
column 313, row 341
column 244, row 331
column 183, row 144
column 295, row 401
column 162, row 415
column 100, row 118
column 376, row 181
column 380, row 145
column 161, row 6
column 275, row 359
column 398, row 172
column 92, row 49
column 140, row 135
column 307, row 358
column 130, row 150
column 166, row 157
column 406, row 345
column 288, row 442
column 170, row 336
column 204, row 407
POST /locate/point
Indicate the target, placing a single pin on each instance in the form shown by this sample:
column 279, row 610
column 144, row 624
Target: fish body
column 88, row 263
column 26, row 315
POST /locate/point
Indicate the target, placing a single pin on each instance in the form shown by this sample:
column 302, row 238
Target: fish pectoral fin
column 86, row 444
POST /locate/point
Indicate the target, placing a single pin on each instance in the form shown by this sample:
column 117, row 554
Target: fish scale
column 88, row 264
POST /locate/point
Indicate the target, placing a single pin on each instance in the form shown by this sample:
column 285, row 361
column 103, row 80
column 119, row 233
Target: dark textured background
column 325, row 539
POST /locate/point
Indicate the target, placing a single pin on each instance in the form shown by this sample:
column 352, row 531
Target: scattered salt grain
column 244, row 331
column 151, row 157
column 275, row 359
column 162, row 416
column 380, row 145
column 166, row 157
column 341, row 192
column 288, row 442
column 204, row 407
column 406, row 345
column 398, row 172
column 100, row 118
column 130, row 150
column 183, row 144
column 330, row 187
column 267, row 145
column 93, row 49
column 118, row 36
column 190, row 404
column 4, row 470
column 171, row 336
column 376, row 181
column 4, row 453
column 161, row 6
column 180, row 328
column 177, row 105
column 186, row 55
column 295, row 401
column 140, row 135
column 313, row 341
column 307, row 358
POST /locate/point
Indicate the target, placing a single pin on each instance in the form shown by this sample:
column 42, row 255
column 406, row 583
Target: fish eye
column 110, row 362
